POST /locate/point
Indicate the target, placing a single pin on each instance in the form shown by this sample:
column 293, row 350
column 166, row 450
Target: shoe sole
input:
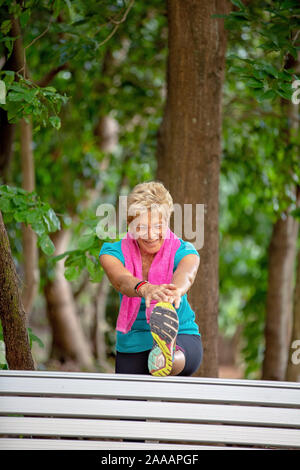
column 164, row 328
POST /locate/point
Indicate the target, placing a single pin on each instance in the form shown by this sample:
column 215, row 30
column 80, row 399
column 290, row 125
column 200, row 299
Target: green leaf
column 270, row 70
column 17, row 87
column 71, row 11
column 269, row 95
column 5, row 204
column 97, row 276
column 38, row 228
column 33, row 216
column 90, row 266
column 2, row 92
column 286, row 4
column 49, row 88
column 46, row 244
column 71, row 273
column 94, row 270
column 285, row 86
column 254, row 83
column 283, row 94
column 258, row 93
column 5, row 27
column 29, row 95
column 239, row 15
column 33, row 337
column 24, row 17
column 296, row 213
column 52, row 221
column 76, row 258
column 55, row 122
column 56, row 8
column 293, row 51
column 285, row 75
column 259, row 74
column 12, row 96
column 20, row 216
column 54, row 259
column 86, row 241
column 239, row 4
column 94, row 251
column 9, row 76
column 219, row 15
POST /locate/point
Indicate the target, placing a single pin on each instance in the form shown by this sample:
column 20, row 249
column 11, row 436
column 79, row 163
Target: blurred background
column 96, row 97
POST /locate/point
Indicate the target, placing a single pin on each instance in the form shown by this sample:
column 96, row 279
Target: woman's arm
column 183, row 277
column 124, row 282
column 121, row 279
column 186, row 271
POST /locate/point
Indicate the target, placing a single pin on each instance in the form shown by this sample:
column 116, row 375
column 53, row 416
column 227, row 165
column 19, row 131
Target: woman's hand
column 174, row 294
column 162, row 293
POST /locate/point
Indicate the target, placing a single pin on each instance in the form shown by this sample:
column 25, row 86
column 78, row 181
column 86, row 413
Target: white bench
column 63, row 410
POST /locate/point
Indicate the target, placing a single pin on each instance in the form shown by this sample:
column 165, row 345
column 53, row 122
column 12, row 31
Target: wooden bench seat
column 64, row 410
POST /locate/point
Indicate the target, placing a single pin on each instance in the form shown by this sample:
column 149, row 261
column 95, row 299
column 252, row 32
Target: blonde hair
column 149, row 195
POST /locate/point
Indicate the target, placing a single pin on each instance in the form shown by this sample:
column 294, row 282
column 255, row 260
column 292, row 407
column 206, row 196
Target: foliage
column 21, row 206
column 112, row 63
column 109, row 60
column 130, row 91
column 33, row 338
column 22, row 98
column 85, row 255
column 274, row 29
column 260, row 163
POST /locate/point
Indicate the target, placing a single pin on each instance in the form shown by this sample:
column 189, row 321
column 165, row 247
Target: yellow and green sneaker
column 164, row 328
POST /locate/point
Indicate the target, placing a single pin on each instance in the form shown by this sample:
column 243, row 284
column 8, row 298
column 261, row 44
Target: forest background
column 96, row 97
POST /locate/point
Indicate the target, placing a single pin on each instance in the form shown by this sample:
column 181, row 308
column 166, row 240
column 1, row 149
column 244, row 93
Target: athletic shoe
column 157, row 361
column 164, row 328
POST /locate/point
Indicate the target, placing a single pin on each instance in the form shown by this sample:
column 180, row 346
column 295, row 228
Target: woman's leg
column 189, row 356
column 132, row 363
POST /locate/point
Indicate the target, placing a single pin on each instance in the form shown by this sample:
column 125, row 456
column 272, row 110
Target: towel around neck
column 160, row 272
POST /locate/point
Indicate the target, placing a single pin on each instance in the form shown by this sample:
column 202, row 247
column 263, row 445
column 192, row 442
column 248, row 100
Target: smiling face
column 151, row 229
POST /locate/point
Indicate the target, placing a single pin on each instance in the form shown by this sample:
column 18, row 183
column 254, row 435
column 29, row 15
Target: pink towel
column 160, row 272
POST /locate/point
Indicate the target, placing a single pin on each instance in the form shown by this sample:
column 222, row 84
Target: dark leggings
column 137, row 363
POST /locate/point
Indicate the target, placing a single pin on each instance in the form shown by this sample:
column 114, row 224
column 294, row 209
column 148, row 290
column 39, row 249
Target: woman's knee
column 178, row 363
column 191, row 345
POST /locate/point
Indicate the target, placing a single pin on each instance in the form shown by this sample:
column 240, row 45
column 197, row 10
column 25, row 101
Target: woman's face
column 151, row 229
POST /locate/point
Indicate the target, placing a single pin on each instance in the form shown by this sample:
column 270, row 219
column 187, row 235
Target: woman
column 152, row 269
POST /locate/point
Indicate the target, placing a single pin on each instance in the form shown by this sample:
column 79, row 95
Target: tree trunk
column 189, row 144
column 107, row 138
column 282, row 255
column 7, row 133
column 30, row 247
column 293, row 368
column 12, row 315
column 99, row 326
column 68, row 340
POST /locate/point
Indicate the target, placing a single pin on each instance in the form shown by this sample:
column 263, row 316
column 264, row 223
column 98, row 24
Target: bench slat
column 203, row 411
column 67, row 407
column 144, row 378
column 70, row 444
column 137, row 430
column 196, row 392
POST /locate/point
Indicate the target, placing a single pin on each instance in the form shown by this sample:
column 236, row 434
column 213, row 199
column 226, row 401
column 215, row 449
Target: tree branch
column 51, row 74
